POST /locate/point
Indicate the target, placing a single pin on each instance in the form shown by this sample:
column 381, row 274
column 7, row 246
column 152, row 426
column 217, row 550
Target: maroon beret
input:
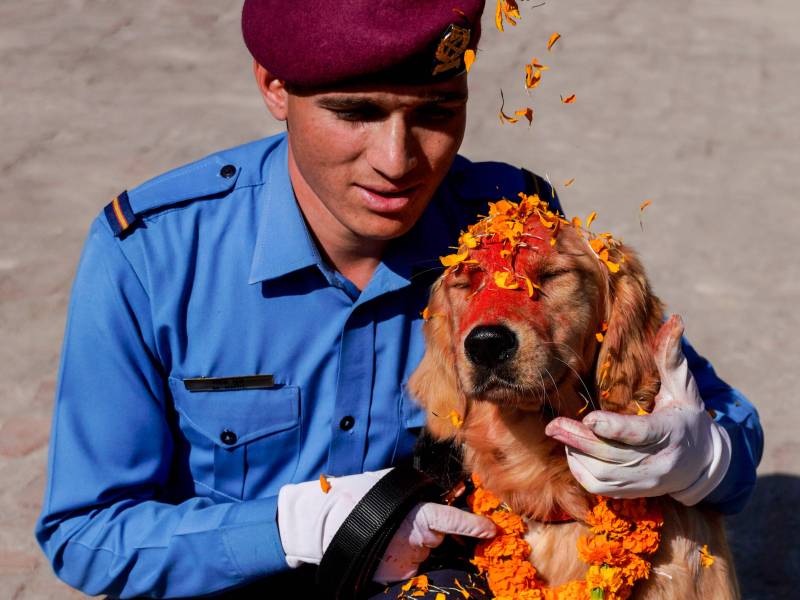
column 325, row 42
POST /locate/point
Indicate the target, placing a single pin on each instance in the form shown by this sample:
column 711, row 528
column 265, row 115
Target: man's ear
column 273, row 91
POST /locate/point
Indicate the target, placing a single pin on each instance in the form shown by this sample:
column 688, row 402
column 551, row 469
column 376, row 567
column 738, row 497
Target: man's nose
column 490, row 345
column 394, row 151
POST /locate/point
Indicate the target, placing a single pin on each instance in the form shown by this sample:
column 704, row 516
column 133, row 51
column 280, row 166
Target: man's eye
column 357, row 115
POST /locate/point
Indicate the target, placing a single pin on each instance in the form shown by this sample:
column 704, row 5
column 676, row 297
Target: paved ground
column 691, row 104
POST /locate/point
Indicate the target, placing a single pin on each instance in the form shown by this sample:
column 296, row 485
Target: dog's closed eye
column 552, row 274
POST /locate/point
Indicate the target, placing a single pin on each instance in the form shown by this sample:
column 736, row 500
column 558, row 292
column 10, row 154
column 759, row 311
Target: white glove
column 677, row 449
column 308, row 518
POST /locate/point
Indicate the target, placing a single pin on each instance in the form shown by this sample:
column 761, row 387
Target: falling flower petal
column 569, row 99
column 642, row 206
column 590, row 219
column 527, row 113
column 569, row 182
column 324, row 484
column 533, row 77
column 469, row 58
column 553, row 39
column 507, row 9
column 504, row 118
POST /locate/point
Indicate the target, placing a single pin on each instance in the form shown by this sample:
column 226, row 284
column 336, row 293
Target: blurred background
column 692, row 105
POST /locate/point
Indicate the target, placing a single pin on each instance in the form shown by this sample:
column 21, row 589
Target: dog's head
column 534, row 311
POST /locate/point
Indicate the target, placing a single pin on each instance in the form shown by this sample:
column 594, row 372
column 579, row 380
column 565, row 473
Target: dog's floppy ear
column 626, row 373
column 434, row 383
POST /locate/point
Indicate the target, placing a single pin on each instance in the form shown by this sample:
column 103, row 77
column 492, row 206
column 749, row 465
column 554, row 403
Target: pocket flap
column 247, row 413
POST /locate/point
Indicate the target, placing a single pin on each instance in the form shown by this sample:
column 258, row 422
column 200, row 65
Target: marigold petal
column 453, row 259
column 569, row 99
column 527, row 113
column 501, row 279
column 324, row 484
column 469, row 58
column 553, row 39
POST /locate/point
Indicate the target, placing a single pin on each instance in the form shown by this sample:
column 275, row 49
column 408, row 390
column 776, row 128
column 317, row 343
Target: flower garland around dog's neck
column 625, row 533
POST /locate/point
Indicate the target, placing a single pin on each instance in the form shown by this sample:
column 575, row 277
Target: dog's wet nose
column 490, row 345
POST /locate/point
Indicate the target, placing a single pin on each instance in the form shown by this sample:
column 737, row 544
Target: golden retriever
column 578, row 328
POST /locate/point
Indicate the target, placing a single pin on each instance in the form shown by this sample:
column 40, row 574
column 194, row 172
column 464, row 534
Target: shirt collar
column 283, row 243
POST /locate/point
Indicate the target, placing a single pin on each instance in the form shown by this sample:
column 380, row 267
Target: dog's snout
column 490, row 345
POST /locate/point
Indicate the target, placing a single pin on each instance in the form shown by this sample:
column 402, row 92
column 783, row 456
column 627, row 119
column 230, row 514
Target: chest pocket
column 242, row 443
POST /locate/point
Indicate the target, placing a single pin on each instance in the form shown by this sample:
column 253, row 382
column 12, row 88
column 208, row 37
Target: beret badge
column 453, row 44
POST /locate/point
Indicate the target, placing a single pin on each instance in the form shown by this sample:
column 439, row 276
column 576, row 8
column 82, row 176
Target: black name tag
column 219, row 384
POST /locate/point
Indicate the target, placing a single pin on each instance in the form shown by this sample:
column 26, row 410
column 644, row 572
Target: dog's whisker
column 555, row 387
column 583, row 383
column 571, row 350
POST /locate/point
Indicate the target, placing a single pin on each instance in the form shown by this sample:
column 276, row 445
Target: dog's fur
column 558, row 365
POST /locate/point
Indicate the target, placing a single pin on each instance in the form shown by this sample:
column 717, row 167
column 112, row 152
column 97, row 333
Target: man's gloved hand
column 308, row 518
column 677, row 449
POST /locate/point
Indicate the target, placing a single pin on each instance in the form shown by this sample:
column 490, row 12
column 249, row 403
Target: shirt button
column 228, row 438
column 346, row 424
column 227, row 171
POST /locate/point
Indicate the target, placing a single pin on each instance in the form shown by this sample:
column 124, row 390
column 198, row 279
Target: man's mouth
column 387, row 199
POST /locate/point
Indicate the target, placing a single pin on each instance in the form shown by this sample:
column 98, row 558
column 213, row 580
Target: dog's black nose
column 490, row 345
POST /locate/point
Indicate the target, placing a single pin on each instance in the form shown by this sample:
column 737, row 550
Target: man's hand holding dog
column 308, row 518
column 677, row 449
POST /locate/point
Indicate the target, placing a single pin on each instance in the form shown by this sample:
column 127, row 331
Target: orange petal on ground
column 553, row 39
column 569, row 99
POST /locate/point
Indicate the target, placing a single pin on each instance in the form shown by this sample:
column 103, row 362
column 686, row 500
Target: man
column 243, row 324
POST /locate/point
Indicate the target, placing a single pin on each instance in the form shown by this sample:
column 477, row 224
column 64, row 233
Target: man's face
column 371, row 157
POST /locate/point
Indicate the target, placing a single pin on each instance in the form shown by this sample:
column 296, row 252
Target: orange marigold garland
column 625, row 533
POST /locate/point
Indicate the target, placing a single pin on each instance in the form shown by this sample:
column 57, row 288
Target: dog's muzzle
column 490, row 346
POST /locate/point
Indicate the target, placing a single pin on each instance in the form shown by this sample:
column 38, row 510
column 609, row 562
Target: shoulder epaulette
column 211, row 176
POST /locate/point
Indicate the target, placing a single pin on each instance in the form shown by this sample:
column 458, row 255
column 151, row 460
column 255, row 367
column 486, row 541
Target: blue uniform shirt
column 157, row 490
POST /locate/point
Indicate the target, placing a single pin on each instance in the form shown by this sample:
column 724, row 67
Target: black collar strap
column 352, row 557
